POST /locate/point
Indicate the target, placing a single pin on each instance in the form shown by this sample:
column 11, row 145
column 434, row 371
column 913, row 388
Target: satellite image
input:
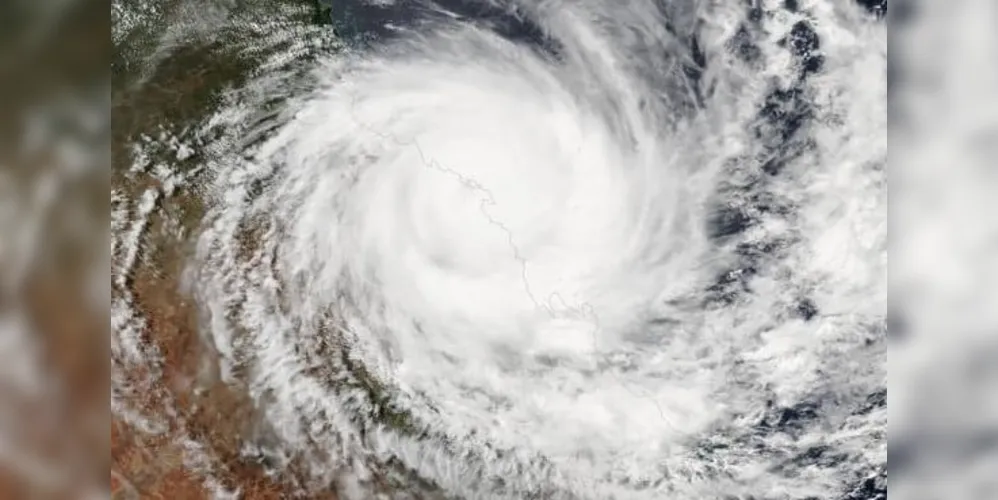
column 499, row 249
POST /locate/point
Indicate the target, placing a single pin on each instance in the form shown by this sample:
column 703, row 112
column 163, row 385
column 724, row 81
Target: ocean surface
column 491, row 249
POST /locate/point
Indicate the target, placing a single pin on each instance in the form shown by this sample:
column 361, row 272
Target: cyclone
column 555, row 253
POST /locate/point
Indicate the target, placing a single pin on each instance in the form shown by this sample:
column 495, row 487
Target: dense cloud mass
column 498, row 249
column 618, row 259
column 532, row 249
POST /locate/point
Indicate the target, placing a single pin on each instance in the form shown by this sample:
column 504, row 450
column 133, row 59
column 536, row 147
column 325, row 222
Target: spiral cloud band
column 562, row 269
